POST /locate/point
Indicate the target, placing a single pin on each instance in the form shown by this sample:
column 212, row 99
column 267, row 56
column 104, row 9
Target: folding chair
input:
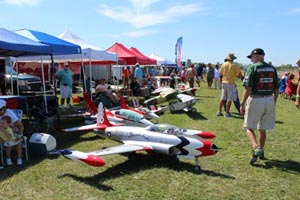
column 19, row 114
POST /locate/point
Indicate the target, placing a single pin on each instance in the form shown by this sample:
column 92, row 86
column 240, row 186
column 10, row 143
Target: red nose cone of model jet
column 206, row 134
column 208, row 148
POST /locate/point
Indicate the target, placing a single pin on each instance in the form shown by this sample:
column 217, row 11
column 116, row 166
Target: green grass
column 226, row 175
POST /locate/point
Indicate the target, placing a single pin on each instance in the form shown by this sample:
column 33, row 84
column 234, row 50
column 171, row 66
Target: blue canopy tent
column 12, row 44
column 58, row 46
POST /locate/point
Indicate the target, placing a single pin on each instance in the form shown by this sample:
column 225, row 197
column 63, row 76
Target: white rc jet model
column 164, row 139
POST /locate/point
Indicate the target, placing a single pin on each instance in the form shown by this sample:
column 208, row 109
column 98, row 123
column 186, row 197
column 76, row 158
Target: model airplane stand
column 41, row 143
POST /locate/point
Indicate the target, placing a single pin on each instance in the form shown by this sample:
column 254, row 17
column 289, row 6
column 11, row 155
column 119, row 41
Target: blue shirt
column 138, row 72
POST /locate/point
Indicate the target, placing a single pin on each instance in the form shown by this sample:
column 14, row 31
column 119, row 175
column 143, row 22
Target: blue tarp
column 12, row 44
column 59, row 46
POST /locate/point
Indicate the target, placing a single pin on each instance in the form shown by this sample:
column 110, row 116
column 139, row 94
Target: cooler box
column 41, row 143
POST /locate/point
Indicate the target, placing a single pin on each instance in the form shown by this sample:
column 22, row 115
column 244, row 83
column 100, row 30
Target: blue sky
column 210, row 28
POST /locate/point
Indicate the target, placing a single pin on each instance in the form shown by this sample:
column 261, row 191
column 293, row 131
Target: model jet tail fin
column 91, row 108
column 123, row 103
column 102, row 120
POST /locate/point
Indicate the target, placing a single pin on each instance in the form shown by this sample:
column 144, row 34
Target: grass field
column 226, row 175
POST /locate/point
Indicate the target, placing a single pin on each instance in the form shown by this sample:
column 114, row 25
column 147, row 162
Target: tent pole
column 44, row 86
column 18, row 89
column 54, row 79
column 83, row 74
column 91, row 76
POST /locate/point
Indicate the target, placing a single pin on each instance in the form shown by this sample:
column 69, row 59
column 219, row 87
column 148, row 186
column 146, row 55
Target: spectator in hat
column 65, row 77
column 18, row 129
column 228, row 73
column 261, row 85
column 138, row 73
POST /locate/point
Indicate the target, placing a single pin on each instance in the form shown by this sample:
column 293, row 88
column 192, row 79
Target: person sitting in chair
column 8, row 138
column 135, row 87
column 17, row 127
column 103, row 88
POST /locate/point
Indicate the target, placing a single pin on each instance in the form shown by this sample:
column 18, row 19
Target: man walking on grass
column 258, row 103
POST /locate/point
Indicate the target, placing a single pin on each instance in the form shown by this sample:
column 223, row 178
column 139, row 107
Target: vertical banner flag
column 178, row 47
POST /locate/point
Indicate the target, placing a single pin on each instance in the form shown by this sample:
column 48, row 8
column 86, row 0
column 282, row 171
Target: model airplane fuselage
column 162, row 143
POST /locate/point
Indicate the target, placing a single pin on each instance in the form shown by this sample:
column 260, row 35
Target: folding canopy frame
column 58, row 47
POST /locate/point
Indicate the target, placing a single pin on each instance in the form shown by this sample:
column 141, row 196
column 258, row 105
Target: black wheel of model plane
column 197, row 169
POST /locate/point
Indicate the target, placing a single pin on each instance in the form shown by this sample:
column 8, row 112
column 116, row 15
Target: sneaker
column 8, row 161
column 19, row 161
column 258, row 152
column 262, row 155
column 219, row 114
column 1, row 167
column 62, row 108
column 227, row 115
column 69, row 106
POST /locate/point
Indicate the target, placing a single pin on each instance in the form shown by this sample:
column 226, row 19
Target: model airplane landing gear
column 193, row 110
column 197, row 168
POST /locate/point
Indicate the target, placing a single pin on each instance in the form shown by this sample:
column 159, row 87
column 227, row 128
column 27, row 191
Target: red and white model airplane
column 125, row 117
column 169, row 140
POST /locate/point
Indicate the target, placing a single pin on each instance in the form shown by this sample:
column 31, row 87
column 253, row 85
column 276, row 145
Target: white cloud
column 22, row 2
column 142, row 4
column 295, row 11
column 140, row 15
column 139, row 33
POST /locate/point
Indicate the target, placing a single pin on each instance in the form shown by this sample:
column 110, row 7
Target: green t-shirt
column 263, row 79
column 66, row 77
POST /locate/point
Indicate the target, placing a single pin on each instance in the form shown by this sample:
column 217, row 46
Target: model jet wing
column 124, row 148
column 84, row 128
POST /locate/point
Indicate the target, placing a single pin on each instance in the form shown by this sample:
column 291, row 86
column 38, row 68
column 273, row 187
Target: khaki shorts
column 259, row 113
column 65, row 91
column 229, row 92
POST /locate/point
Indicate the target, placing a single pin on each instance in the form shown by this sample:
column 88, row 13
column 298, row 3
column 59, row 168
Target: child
column 9, row 140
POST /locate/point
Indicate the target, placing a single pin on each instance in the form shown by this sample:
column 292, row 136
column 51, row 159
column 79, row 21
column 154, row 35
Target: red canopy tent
column 125, row 54
column 150, row 61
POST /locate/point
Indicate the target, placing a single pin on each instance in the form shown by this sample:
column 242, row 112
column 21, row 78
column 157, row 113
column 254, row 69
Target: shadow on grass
column 64, row 141
column 140, row 163
column 289, row 166
column 196, row 115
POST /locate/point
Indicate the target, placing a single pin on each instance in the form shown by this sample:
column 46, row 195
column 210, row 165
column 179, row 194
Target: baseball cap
column 257, row 51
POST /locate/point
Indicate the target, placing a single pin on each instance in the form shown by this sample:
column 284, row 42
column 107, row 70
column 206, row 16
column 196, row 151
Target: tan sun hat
column 66, row 63
column 230, row 56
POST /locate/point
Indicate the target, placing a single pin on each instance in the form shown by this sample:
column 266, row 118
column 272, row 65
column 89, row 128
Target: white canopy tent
column 160, row 60
column 90, row 52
